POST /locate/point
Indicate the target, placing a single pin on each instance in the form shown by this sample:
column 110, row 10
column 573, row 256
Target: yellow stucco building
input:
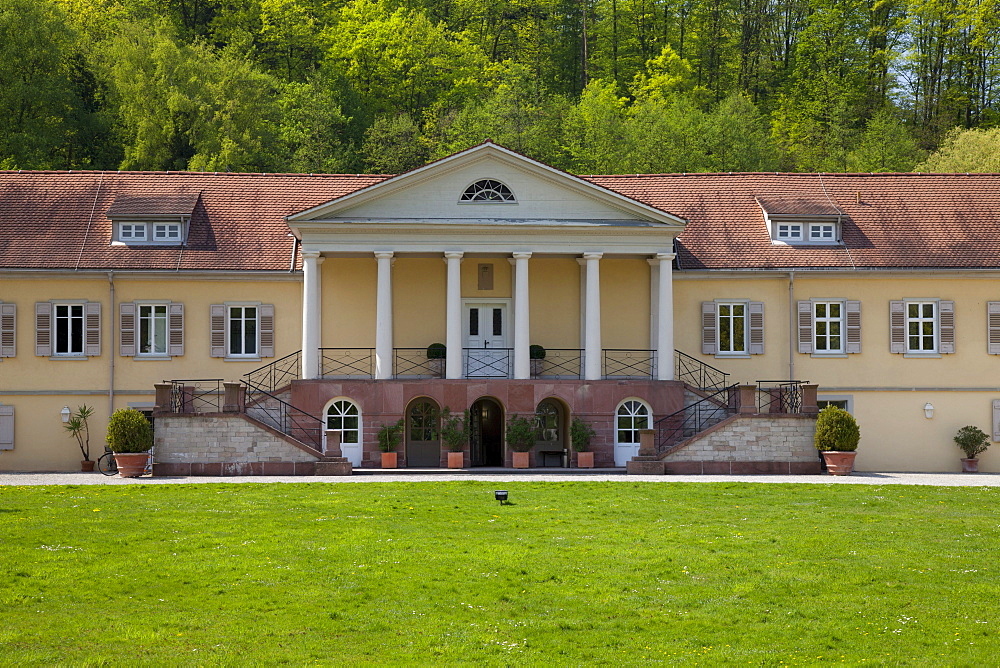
column 631, row 302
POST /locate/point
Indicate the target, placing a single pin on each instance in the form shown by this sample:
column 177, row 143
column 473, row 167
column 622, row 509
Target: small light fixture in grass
column 973, row 441
column 837, row 436
column 501, row 496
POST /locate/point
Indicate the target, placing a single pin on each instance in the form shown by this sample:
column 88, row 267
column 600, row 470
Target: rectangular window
column 822, row 232
column 243, row 331
column 152, row 329
column 132, row 232
column 828, row 327
column 166, row 232
column 732, row 328
column 789, row 232
column 839, row 403
column 69, row 328
column 921, row 327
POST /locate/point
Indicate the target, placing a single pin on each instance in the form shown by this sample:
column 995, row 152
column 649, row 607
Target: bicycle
column 107, row 465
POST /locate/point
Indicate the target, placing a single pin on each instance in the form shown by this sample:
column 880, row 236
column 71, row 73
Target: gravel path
column 940, row 479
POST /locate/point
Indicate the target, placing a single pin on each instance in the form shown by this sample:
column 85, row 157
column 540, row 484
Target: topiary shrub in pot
column 973, row 441
column 581, row 434
column 130, row 437
column 436, row 354
column 837, row 436
column 455, row 434
column 521, row 435
column 536, row 354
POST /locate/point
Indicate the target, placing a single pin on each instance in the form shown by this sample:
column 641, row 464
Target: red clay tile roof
column 126, row 206
column 59, row 219
column 783, row 205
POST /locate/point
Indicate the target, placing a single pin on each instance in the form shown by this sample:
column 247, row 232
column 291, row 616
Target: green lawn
column 571, row 573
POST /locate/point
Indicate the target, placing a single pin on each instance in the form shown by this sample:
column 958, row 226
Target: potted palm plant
column 130, row 437
column 973, row 441
column 837, row 436
column 436, row 354
column 79, row 429
column 521, row 438
column 455, row 434
column 388, row 439
column 536, row 354
column 581, row 434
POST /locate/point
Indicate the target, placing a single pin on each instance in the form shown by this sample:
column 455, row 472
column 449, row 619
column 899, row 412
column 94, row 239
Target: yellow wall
column 625, row 303
column 554, row 299
column 419, row 292
column 502, row 272
column 348, row 297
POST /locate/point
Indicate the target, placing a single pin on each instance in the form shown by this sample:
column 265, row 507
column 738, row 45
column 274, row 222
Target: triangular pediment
column 539, row 196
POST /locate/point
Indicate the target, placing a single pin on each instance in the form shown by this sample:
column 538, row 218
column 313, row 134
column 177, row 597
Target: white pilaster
column 522, row 330
column 383, row 316
column 311, row 313
column 665, row 318
column 453, row 323
column 592, row 341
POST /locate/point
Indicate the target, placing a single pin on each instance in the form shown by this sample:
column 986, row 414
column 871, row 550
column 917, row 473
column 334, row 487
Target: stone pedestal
column 334, row 466
column 648, row 461
column 233, row 398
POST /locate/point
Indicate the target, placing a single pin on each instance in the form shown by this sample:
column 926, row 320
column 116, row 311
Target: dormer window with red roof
column 797, row 220
column 151, row 221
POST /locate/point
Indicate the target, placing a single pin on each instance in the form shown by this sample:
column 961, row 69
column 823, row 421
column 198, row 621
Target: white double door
column 485, row 340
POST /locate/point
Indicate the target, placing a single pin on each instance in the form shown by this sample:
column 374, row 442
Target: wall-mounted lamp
column 65, row 413
column 928, row 410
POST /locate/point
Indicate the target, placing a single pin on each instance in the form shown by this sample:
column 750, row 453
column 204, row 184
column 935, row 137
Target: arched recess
column 632, row 415
column 343, row 415
column 423, row 433
column 486, row 432
column 552, row 443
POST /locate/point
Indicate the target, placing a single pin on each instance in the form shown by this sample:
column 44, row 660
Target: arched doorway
column 486, row 433
column 550, row 447
column 423, row 434
column 632, row 416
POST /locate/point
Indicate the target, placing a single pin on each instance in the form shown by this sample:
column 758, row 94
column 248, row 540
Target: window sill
column 60, row 358
column 829, row 355
column 729, row 356
column 242, row 359
column 152, row 358
column 928, row 355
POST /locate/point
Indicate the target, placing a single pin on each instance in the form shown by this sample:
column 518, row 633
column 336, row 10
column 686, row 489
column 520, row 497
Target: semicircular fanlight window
column 487, row 190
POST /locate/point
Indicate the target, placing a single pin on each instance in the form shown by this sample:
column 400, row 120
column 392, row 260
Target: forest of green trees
column 589, row 86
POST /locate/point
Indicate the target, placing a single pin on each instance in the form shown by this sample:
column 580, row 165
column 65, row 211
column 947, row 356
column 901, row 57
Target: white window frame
column 840, row 321
column 788, row 232
column 242, row 319
column 139, row 320
column 822, row 237
column 133, row 229
column 343, row 406
column 82, row 319
column 934, row 319
column 171, row 233
column 720, row 318
column 631, row 415
column 846, row 399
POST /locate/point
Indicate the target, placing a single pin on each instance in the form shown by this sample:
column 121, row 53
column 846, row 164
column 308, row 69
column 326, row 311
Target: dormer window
column 487, row 190
column 790, row 232
column 822, row 232
column 151, row 221
column 797, row 220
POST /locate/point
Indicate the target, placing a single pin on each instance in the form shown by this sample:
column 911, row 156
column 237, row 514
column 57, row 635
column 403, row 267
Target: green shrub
column 836, row 429
column 437, row 351
column 388, row 436
column 972, row 441
column 129, row 431
column 581, row 433
column 454, row 429
column 521, row 433
column 536, row 352
column 80, row 430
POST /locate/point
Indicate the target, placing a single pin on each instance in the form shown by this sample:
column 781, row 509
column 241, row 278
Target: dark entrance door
column 486, row 437
column 423, row 443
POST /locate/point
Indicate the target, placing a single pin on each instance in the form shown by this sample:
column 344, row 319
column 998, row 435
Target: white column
column 522, row 330
column 654, row 306
column 592, row 341
column 383, row 316
column 311, row 313
column 665, row 318
column 453, row 327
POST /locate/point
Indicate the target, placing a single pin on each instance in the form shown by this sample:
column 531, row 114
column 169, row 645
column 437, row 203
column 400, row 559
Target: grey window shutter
column 92, row 320
column 897, row 327
column 6, row 427
column 852, row 314
column 805, row 327
column 8, row 330
column 709, row 342
column 218, row 342
column 267, row 330
column 993, row 319
column 946, row 318
column 126, row 329
column 175, row 325
column 43, row 329
column 756, row 310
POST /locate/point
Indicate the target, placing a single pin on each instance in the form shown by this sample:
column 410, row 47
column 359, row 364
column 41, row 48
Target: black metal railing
column 696, row 373
column 277, row 374
column 696, row 417
column 278, row 414
column 414, row 362
column 559, row 363
column 487, row 362
column 198, row 395
column 779, row 396
column 628, row 363
column 347, row 362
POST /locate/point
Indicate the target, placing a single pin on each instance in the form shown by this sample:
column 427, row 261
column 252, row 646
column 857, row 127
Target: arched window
column 344, row 416
column 487, row 190
column 423, row 425
column 547, row 420
column 632, row 416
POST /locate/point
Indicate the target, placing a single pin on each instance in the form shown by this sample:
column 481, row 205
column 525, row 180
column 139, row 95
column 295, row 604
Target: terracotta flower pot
column 388, row 460
column 839, row 463
column 87, row 466
column 131, row 464
column 585, row 460
column 456, row 460
column 520, row 460
column 970, row 465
